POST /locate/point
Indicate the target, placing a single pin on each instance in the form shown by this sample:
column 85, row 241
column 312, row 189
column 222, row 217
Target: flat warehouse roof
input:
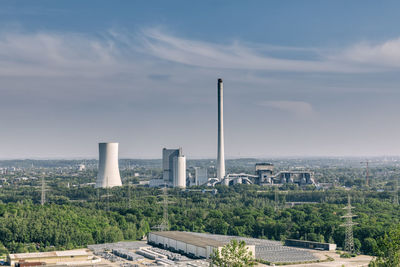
column 68, row 253
column 191, row 239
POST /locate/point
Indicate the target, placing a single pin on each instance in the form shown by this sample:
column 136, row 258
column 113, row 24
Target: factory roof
column 189, row 238
column 68, row 253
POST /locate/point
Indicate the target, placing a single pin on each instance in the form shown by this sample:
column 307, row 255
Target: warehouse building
column 188, row 244
column 54, row 257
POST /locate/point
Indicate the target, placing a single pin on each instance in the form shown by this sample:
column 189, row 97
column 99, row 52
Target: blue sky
column 302, row 78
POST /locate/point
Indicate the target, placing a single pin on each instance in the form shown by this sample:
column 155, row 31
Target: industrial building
column 68, row 257
column 108, row 175
column 265, row 176
column 174, row 169
column 294, row 177
column 200, row 176
column 188, row 244
column 168, row 156
column 264, row 172
column 237, row 178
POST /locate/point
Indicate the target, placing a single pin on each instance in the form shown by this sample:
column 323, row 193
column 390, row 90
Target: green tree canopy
column 388, row 250
column 234, row 254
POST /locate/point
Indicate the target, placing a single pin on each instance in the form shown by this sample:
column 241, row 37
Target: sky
column 301, row 78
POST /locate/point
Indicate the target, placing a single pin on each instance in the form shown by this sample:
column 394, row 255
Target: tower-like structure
column 221, row 149
column 349, row 240
column 108, row 175
column 164, row 225
column 174, row 167
column 180, row 171
column 43, row 195
column 396, row 192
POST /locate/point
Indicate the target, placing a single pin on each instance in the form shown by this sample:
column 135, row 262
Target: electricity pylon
column 164, row 226
column 108, row 195
column 129, row 195
column 43, row 196
column 276, row 199
column 349, row 240
column 366, row 172
column 396, row 192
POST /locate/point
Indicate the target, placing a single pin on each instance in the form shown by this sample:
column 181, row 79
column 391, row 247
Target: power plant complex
column 174, row 173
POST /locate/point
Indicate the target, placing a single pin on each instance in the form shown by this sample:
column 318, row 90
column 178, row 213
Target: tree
column 388, row 250
column 234, row 254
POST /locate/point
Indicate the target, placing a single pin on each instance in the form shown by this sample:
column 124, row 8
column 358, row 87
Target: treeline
column 25, row 227
column 80, row 216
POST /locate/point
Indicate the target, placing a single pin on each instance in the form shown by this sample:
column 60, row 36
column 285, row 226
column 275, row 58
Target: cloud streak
column 52, row 54
column 379, row 57
column 386, row 54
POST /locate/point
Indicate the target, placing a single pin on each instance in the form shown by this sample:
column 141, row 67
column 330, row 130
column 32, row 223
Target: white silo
column 180, row 171
column 108, row 175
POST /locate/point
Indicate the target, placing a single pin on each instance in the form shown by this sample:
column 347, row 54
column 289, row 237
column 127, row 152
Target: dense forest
column 79, row 216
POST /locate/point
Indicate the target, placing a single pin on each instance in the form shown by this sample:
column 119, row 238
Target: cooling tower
column 108, row 175
column 221, row 153
column 180, row 171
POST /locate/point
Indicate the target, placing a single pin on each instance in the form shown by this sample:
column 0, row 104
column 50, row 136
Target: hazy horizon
column 226, row 158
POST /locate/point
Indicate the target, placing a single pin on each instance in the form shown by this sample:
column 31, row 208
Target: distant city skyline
column 301, row 79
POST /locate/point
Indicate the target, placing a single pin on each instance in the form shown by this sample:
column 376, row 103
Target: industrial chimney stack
column 221, row 152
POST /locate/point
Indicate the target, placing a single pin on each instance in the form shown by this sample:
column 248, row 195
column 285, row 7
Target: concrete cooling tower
column 108, row 175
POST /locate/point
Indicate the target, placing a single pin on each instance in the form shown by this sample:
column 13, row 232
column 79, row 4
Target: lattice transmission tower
column 396, row 192
column 349, row 240
column 164, row 226
column 43, row 189
column 276, row 198
column 129, row 196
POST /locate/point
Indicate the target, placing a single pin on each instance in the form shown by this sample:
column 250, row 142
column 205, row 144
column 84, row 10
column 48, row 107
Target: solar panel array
column 268, row 250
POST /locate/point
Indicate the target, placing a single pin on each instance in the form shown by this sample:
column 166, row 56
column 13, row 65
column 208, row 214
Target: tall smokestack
column 221, row 152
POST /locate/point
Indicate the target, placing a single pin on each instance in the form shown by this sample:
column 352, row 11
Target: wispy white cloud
column 234, row 56
column 385, row 54
column 299, row 109
column 42, row 54
column 52, row 54
column 253, row 57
